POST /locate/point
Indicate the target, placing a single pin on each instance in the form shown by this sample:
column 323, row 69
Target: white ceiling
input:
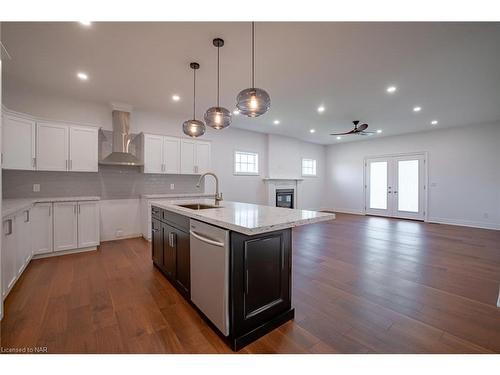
column 451, row 70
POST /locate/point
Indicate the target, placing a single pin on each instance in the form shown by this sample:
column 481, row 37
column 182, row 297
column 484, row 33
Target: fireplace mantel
column 283, row 179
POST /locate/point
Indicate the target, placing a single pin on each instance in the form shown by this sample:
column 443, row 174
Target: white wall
column 463, row 166
column 285, row 161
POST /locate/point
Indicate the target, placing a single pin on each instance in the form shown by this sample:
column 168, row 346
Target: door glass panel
column 378, row 185
column 408, row 185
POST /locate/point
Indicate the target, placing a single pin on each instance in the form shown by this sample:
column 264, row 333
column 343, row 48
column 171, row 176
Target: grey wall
column 111, row 182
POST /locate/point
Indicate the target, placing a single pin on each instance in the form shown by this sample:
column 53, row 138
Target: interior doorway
column 395, row 186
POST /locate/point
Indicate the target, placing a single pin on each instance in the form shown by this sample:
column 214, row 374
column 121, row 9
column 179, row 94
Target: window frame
column 315, row 167
column 236, row 173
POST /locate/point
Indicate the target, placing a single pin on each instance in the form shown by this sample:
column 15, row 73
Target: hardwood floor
column 360, row 285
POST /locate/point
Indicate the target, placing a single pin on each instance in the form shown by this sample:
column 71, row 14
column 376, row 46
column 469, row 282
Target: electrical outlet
column 36, row 188
column 119, row 233
column 172, row 186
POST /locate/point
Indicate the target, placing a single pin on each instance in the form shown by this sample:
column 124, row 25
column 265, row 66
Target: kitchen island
column 233, row 262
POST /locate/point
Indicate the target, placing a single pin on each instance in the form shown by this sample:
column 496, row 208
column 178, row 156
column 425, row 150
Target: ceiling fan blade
column 350, row 132
column 362, row 127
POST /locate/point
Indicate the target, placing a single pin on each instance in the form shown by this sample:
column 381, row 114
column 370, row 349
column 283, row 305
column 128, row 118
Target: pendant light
column 218, row 117
column 194, row 128
column 253, row 102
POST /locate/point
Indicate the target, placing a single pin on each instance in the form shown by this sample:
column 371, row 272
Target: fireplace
column 285, row 198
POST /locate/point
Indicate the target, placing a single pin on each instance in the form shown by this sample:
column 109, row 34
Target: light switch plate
column 36, row 188
column 172, row 186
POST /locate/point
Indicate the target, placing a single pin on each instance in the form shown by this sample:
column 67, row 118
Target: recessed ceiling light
column 379, row 131
column 82, row 76
column 391, row 89
column 236, row 112
column 339, row 137
column 312, row 130
column 417, row 109
column 321, row 109
column 434, row 122
column 176, row 98
column 86, row 23
column 276, row 122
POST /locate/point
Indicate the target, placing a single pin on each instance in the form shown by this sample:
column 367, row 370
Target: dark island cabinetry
column 259, row 281
column 170, row 249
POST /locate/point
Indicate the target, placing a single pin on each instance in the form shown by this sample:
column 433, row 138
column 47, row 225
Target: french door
column 395, row 186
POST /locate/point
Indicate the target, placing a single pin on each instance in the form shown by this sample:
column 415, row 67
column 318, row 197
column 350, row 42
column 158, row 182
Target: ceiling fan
column 359, row 130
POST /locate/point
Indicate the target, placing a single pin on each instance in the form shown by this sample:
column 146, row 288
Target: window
column 308, row 167
column 246, row 163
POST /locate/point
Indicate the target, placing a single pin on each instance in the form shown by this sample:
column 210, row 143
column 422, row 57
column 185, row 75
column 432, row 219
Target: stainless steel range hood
column 121, row 142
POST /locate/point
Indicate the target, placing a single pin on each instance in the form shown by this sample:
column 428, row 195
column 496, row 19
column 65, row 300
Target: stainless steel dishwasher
column 210, row 272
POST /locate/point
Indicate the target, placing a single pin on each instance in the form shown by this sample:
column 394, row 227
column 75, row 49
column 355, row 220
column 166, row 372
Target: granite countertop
column 245, row 218
column 175, row 195
column 11, row 206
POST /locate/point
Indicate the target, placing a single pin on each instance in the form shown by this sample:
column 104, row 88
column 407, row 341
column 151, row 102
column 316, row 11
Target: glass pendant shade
column 193, row 128
column 218, row 117
column 253, row 102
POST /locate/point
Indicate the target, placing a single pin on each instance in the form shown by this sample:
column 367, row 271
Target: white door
column 83, row 153
column 88, row 224
column 188, row 151
column 41, row 228
column 153, row 153
column 52, row 147
column 23, row 240
column 8, row 254
column 395, row 186
column 171, row 155
column 18, row 143
column 203, row 161
column 65, row 226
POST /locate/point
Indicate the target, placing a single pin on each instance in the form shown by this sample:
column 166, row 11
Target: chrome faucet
column 218, row 196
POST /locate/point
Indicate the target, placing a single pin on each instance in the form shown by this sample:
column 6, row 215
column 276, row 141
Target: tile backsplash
column 111, row 182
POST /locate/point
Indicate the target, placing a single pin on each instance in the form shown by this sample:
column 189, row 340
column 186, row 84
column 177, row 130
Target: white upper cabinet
column 83, row 153
column 88, row 224
column 161, row 154
column 52, row 147
column 203, row 159
column 65, row 226
column 153, row 153
column 188, row 156
column 18, row 143
column 171, row 155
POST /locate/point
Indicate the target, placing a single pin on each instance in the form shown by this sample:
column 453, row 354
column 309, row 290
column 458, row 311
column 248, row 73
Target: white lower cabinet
column 24, row 250
column 88, row 224
column 8, row 254
column 41, row 228
column 65, row 226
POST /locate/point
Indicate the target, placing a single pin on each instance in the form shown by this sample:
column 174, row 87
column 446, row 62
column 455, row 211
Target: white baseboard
column 65, row 252
column 346, row 211
column 133, row 235
column 464, row 223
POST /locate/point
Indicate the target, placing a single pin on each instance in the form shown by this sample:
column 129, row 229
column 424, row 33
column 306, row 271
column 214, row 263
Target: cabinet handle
column 79, row 209
column 9, row 222
column 27, row 216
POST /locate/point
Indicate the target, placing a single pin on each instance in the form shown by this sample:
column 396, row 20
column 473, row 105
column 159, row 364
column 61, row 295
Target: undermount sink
column 197, row 206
